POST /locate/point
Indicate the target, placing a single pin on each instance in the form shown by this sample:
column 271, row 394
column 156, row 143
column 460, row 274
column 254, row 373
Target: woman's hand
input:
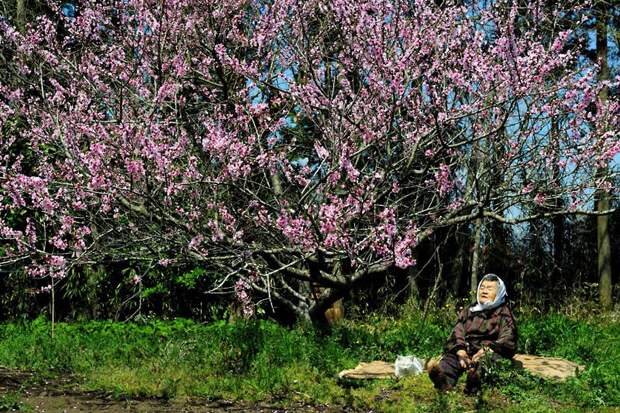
column 463, row 358
column 480, row 353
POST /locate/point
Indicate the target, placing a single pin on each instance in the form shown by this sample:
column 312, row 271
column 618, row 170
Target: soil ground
column 62, row 395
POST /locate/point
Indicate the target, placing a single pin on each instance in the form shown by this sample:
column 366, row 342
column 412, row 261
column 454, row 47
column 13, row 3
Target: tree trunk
column 602, row 204
column 604, row 254
column 558, row 248
column 20, row 14
column 558, row 222
column 476, row 256
column 458, row 264
column 414, row 289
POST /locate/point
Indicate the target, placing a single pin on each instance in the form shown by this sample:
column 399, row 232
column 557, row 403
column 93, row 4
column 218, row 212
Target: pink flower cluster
column 443, row 180
column 242, row 293
column 180, row 125
column 298, row 231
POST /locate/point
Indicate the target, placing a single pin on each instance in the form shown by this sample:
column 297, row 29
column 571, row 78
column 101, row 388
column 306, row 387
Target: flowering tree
column 286, row 144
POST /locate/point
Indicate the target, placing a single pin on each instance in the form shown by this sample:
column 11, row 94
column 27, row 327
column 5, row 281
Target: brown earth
column 63, row 395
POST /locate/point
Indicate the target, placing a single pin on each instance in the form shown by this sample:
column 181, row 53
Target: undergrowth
column 260, row 360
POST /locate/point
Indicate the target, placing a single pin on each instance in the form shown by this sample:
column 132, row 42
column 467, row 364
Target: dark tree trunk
column 475, row 260
column 602, row 204
column 20, row 14
column 558, row 221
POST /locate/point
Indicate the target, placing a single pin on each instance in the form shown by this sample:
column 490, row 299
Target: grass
column 262, row 361
column 11, row 402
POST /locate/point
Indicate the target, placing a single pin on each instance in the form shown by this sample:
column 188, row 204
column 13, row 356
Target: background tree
column 287, row 146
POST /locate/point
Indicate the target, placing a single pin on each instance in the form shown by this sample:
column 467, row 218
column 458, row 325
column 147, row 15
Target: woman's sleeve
column 456, row 341
column 506, row 343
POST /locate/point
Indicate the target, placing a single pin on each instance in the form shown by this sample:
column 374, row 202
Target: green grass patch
column 262, row 361
column 11, row 402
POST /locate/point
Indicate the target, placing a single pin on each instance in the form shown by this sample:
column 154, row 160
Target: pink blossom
column 59, row 243
column 540, row 199
column 527, row 188
column 403, row 247
column 321, row 151
column 164, row 262
column 443, row 180
column 333, row 177
column 135, row 168
column 195, row 242
column 242, row 293
column 395, row 187
column 297, row 230
column 155, row 140
column 456, row 204
column 56, row 261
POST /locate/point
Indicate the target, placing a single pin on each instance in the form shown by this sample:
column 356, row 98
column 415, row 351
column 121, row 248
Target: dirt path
column 24, row 391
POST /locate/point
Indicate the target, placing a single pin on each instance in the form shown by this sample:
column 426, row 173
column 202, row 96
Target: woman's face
column 488, row 291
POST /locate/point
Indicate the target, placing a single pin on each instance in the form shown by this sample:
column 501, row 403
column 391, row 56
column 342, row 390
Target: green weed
column 11, row 402
column 260, row 360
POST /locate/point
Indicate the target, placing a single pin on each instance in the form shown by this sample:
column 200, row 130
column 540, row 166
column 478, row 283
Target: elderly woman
column 486, row 328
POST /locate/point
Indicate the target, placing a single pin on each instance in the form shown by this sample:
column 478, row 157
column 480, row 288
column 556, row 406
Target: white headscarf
column 500, row 297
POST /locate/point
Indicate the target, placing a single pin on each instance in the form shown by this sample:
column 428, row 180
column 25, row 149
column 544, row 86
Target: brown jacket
column 493, row 328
